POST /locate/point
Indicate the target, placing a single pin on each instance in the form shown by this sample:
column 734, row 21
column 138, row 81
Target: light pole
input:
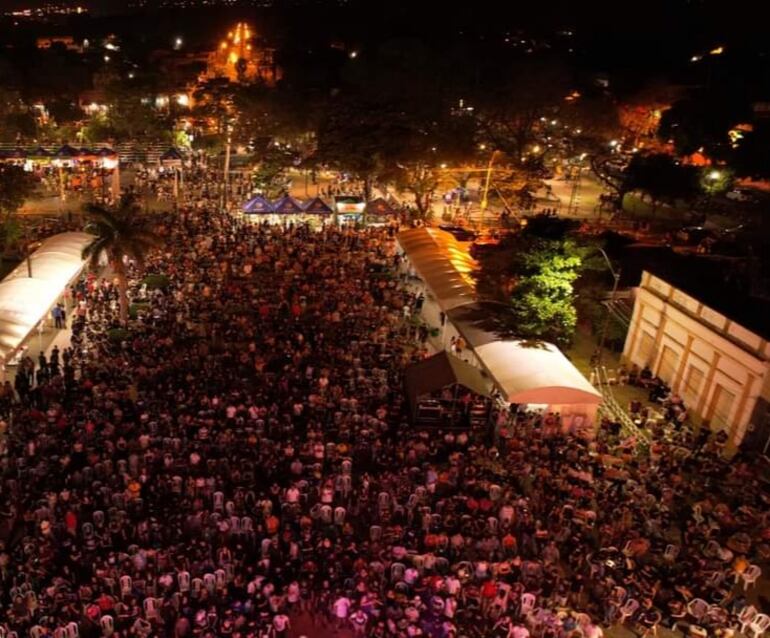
column 485, row 195
column 616, row 276
column 228, row 149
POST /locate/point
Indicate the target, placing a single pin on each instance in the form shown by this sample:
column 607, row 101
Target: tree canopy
column 661, row 177
column 121, row 232
column 534, row 271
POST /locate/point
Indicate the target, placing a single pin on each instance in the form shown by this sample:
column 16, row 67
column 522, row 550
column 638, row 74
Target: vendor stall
column 258, row 210
column 317, row 206
column 444, row 390
column 380, row 213
column 349, row 209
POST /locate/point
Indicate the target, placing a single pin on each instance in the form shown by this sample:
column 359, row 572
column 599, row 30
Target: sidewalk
column 44, row 341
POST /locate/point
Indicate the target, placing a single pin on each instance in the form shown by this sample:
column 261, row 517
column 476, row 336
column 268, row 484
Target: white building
column 719, row 367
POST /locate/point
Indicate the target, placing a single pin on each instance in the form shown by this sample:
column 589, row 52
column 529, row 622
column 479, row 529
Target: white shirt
column 453, row 585
column 519, row 632
column 341, row 607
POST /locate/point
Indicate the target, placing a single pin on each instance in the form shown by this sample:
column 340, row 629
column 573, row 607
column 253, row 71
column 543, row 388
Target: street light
column 485, row 196
column 616, row 276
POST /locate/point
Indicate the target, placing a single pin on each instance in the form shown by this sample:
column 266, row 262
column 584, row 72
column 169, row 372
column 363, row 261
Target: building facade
column 718, row 367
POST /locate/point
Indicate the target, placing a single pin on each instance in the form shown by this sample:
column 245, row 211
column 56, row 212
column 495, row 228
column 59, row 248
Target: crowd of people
column 239, row 462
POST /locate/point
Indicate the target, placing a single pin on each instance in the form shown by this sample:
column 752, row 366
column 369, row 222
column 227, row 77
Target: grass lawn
column 663, row 214
column 7, row 265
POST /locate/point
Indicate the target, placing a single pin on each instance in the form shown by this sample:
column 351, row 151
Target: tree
column 214, row 99
column 16, row 186
column 702, row 121
column 121, row 233
column 130, row 115
column 751, row 157
column 534, row 271
column 661, row 177
column 421, row 180
column 508, row 117
column 363, row 137
column 270, row 176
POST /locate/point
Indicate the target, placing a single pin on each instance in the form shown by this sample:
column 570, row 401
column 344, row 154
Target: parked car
column 458, row 232
column 740, row 195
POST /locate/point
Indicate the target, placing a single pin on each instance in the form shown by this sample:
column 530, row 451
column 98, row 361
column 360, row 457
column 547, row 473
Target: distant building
column 712, row 350
column 67, row 41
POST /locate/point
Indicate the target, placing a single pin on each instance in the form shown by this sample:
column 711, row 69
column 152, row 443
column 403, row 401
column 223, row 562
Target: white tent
column 25, row 300
column 442, row 263
column 526, row 373
column 537, row 373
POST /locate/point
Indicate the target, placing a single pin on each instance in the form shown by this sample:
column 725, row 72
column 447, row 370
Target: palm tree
column 120, row 232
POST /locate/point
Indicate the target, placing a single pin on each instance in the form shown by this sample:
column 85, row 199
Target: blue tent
column 287, row 206
column 258, row 206
column 67, row 152
column 317, row 206
column 171, row 155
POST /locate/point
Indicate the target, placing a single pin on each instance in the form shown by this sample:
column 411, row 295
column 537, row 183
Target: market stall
column 445, row 391
column 258, row 209
column 349, row 209
column 317, row 212
column 379, row 212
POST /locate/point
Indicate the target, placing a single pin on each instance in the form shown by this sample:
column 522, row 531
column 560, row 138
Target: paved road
column 586, row 202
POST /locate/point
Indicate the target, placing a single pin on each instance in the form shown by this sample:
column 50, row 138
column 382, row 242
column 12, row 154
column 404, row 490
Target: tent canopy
column 442, row 370
column 24, row 301
column 481, row 322
column 67, row 151
column 536, row 373
column 442, row 263
column 525, row 372
column 287, row 205
column 380, row 207
column 171, row 155
column 317, row 206
column 258, row 205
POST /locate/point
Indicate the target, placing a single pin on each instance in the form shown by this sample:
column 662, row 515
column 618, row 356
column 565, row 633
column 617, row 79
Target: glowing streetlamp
column 485, row 196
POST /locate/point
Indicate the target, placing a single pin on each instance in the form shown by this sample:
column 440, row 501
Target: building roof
column 441, row 370
column 721, row 283
column 24, row 301
column 443, row 264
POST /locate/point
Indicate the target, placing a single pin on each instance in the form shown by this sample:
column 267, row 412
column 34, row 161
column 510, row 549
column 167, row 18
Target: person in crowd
column 239, row 461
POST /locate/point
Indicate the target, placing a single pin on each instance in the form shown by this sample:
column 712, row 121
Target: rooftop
column 721, row 283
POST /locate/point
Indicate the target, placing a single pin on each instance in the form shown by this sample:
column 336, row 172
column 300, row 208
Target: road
column 586, row 203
